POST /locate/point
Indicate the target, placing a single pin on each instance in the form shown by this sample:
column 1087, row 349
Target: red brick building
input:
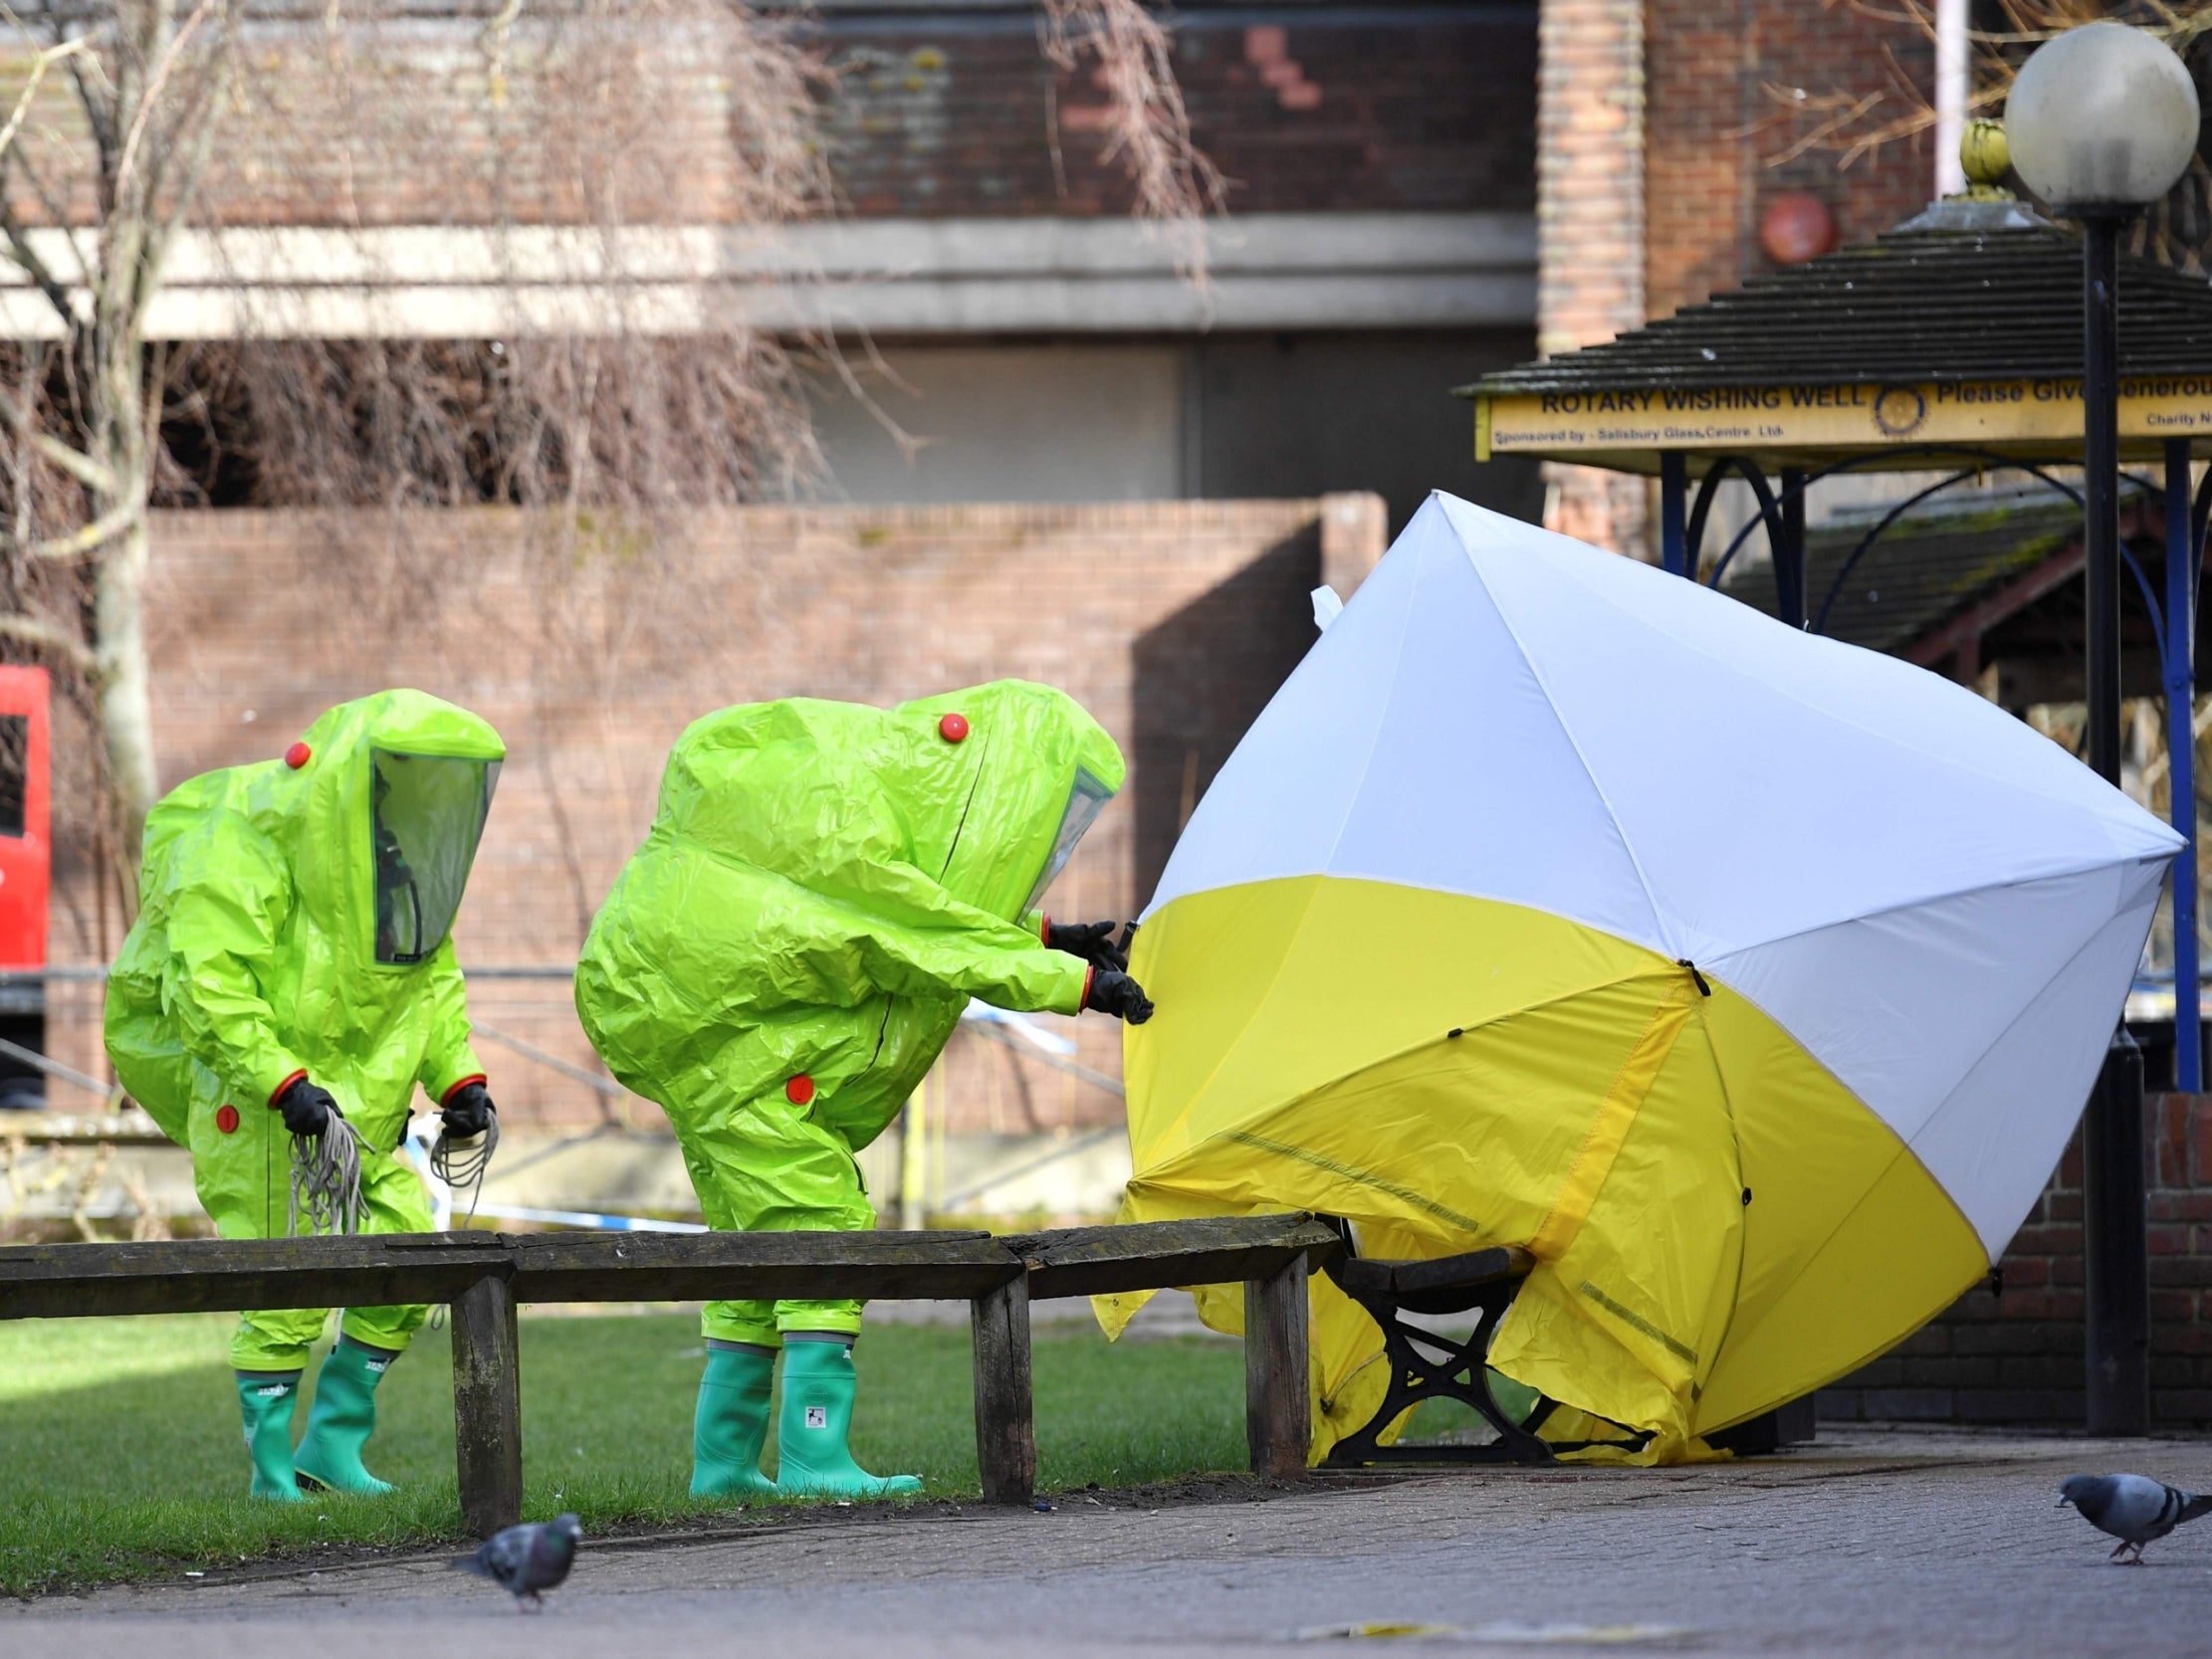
column 1380, row 249
column 993, row 297
column 1670, row 131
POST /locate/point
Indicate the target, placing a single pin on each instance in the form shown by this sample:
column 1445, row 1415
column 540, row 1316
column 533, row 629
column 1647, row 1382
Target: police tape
column 417, row 1147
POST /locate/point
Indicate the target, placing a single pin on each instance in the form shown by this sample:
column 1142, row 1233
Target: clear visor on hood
column 1088, row 798
column 426, row 813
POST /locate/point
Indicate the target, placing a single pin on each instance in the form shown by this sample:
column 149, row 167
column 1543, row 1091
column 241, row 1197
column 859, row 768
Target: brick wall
column 1728, row 130
column 956, row 112
column 1173, row 622
column 1665, row 128
column 959, row 114
column 1590, row 192
column 2011, row 1351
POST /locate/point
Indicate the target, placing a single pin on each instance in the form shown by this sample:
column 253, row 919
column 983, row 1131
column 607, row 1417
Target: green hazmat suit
column 295, row 919
column 824, row 888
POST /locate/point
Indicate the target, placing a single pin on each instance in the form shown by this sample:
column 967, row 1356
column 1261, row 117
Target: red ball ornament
column 226, row 1119
column 1796, row 228
column 953, row 727
column 800, row 1090
column 298, row 756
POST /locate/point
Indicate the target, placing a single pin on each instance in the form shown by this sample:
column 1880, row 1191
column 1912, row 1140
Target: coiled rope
column 327, row 1179
column 464, row 1165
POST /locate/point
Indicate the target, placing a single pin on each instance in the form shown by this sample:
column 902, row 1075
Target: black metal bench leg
column 1528, row 1445
column 1415, row 1379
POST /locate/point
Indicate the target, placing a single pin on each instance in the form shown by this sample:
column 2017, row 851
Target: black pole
column 1789, row 563
column 2115, row 1259
column 2116, row 1270
column 2100, row 486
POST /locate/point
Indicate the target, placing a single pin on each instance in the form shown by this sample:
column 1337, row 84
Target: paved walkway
column 1873, row 1542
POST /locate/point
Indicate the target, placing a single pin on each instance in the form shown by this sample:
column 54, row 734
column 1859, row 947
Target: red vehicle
column 25, row 874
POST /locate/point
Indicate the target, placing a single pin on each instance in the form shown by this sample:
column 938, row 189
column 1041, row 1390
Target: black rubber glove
column 1091, row 940
column 1116, row 993
column 306, row 1108
column 467, row 1112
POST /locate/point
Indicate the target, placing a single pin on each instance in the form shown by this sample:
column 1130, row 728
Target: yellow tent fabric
column 1424, row 959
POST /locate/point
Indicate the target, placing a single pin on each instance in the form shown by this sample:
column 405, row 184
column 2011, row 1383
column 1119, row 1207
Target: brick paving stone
column 1876, row 1542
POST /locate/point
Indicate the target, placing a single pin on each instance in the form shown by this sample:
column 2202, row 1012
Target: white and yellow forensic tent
column 1752, row 981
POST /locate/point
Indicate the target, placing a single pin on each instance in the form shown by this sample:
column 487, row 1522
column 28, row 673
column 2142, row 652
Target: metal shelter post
column 2100, row 486
column 1673, row 493
column 2182, row 748
column 2115, row 1240
column 2115, row 1265
column 1789, row 557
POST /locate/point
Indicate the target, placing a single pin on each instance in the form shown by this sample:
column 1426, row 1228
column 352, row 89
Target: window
column 15, row 771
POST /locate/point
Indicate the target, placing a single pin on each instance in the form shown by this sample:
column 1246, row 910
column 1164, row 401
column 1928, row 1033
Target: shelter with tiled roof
column 1961, row 327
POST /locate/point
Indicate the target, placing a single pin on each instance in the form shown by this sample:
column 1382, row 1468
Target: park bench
column 1425, row 1363
column 1429, row 1365
column 483, row 1277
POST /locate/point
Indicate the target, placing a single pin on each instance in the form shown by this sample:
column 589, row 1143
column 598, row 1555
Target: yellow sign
column 1986, row 414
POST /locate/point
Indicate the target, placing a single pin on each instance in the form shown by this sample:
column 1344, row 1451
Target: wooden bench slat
column 886, row 1266
column 184, row 1275
column 1152, row 1255
column 769, row 1281
column 228, row 1275
column 1373, row 1275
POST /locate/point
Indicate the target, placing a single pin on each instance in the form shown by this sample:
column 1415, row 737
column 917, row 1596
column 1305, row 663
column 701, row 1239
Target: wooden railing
column 483, row 1277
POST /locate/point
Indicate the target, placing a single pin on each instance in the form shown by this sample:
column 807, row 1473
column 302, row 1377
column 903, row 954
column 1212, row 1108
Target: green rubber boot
column 812, row 1459
column 342, row 1420
column 732, row 1423
column 266, row 1400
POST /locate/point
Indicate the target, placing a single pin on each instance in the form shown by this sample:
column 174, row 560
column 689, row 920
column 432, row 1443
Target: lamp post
column 2101, row 122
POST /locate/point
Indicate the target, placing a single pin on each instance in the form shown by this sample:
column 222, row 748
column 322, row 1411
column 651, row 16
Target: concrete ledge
column 916, row 276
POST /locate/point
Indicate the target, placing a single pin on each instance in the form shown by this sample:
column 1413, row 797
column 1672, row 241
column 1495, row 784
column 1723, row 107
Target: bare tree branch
column 26, row 258
column 32, row 630
column 197, row 153
column 97, row 96
column 199, row 121
column 1148, row 129
column 49, row 202
column 45, row 60
column 150, row 99
column 94, row 537
column 83, row 468
column 1847, row 124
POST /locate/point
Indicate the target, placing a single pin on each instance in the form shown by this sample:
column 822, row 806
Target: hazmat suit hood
column 1037, row 770
column 972, row 788
column 828, row 884
column 392, row 793
column 296, row 915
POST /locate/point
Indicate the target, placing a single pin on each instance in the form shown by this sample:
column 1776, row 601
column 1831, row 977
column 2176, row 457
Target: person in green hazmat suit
column 291, row 964
column 824, row 888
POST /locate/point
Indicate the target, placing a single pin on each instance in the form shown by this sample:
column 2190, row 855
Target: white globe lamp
column 2103, row 118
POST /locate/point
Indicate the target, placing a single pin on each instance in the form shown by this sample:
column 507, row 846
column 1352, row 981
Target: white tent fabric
column 1938, row 902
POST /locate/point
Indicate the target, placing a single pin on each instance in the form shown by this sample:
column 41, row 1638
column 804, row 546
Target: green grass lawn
column 121, row 1450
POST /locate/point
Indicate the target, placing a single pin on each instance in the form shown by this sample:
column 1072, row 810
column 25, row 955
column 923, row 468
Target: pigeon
column 528, row 1560
column 2133, row 1507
